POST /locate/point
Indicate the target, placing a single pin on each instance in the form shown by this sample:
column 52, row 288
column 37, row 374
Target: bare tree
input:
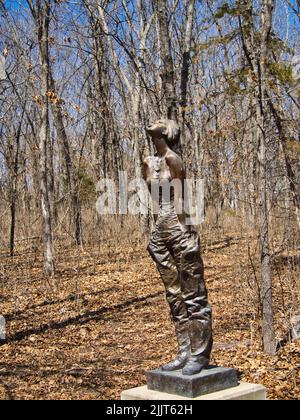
column 167, row 70
column 41, row 13
column 256, row 51
column 186, row 58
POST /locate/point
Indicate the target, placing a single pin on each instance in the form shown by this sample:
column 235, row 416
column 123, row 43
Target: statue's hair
column 172, row 132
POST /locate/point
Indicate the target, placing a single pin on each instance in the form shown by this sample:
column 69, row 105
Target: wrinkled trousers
column 176, row 251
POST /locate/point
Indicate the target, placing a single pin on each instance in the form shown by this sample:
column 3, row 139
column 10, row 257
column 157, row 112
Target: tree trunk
column 268, row 330
column 63, row 140
column 43, row 34
column 14, row 192
column 186, row 60
column 257, row 53
column 167, row 71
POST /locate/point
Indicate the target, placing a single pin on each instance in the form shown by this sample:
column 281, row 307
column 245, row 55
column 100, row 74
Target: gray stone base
column 244, row 391
column 209, row 380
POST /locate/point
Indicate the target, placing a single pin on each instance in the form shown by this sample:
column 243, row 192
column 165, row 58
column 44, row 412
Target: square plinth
column 244, row 391
column 209, row 380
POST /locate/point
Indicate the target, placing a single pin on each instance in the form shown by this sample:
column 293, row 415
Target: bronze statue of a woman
column 175, row 248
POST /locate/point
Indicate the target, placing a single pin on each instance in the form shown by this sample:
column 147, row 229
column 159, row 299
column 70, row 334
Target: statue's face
column 157, row 129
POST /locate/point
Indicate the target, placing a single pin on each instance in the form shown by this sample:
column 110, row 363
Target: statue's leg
column 187, row 257
column 168, row 271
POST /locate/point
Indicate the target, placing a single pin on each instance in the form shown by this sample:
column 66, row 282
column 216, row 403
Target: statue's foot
column 194, row 366
column 176, row 364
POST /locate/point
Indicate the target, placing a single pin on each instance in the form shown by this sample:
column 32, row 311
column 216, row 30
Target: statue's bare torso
column 156, row 168
column 169, row 172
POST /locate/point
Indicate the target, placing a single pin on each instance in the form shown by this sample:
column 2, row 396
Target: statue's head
column 167, row 129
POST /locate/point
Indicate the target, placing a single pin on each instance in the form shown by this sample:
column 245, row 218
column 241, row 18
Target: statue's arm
column 146, row 173
column 145, row 169
column 176, row 166
column 178, row 175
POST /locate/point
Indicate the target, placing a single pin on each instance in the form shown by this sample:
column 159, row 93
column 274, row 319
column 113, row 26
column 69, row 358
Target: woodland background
column 83, row 302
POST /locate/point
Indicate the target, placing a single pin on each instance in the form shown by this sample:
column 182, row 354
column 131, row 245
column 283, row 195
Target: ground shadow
column 79, row 319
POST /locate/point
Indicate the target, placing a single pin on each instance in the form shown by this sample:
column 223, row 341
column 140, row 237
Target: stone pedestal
column 244, row 391
column 213, row 383
column 209, row 380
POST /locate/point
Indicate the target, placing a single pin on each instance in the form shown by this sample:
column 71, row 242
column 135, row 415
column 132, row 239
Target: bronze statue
column 175, row 248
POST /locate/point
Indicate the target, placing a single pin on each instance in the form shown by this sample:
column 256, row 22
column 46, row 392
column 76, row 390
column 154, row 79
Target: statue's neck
column 161, row 146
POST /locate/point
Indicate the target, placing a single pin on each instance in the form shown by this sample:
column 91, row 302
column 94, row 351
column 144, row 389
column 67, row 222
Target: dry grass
column 103, row 322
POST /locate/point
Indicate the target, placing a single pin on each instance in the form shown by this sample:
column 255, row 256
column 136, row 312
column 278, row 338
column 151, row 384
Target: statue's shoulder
column 148, row 160
column 174, row 161
column 148, row 163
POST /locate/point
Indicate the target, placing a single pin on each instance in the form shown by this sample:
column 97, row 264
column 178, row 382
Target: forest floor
column 104, row 322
